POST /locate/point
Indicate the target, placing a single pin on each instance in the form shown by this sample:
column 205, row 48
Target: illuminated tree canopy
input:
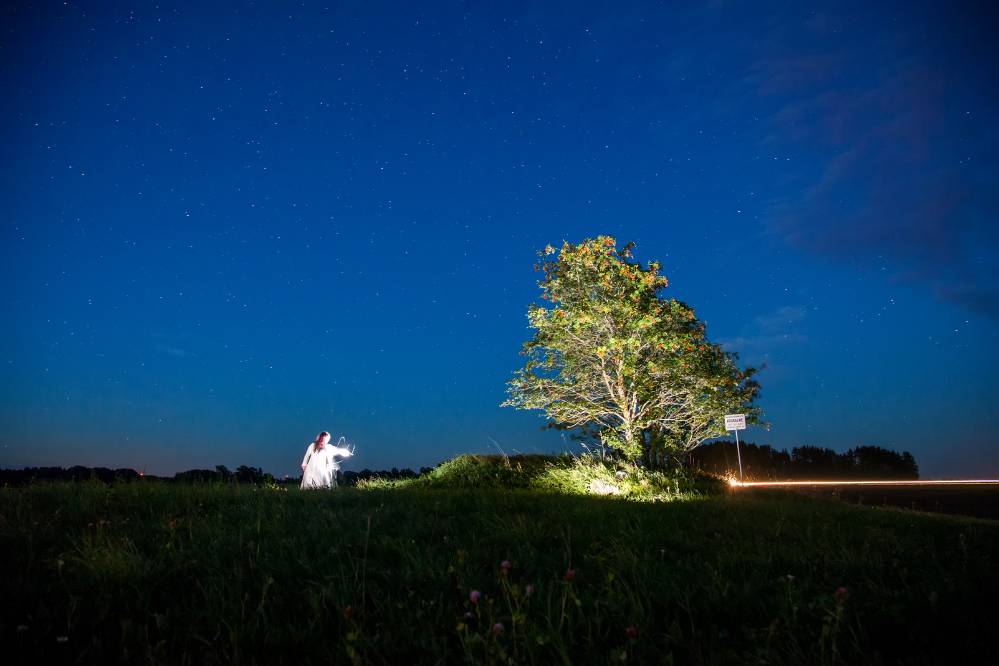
column 610, row 353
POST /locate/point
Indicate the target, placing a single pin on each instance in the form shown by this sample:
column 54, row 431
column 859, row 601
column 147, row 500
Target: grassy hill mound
column 222, row 573
column 564, row 474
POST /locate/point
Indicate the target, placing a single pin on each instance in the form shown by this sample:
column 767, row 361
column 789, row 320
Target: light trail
column 939, row 482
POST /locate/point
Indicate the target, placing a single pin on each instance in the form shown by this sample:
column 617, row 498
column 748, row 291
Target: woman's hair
column 319, row 443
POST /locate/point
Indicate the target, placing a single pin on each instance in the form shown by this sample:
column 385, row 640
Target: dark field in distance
column 981, row 501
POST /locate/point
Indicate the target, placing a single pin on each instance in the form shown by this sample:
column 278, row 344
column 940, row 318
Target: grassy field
column 981, row 501
column 159, row 573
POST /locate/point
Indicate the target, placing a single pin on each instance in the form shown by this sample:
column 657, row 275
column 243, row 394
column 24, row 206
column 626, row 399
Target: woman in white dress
column 319, row 465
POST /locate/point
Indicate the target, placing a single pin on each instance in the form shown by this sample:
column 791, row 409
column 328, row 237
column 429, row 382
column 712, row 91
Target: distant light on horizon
column 918, row 482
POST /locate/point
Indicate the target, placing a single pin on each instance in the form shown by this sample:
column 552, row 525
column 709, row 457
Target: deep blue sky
column 227, row 228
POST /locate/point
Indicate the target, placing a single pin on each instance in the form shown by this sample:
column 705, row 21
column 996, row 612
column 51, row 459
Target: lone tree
column 611, row 354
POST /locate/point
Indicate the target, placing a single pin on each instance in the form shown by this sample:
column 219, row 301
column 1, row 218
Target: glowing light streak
column 928, row 482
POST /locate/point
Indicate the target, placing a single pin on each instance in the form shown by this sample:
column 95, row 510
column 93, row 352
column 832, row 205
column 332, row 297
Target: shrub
column 591, row 475
column 378, row 483
column 563, row 474
column 470, row 471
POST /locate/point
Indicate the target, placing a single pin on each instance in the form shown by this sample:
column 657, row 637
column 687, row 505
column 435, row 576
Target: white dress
column 321, row 466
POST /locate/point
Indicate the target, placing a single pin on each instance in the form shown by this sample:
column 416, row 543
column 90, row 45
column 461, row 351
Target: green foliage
column 464, row 471
column 564, row 474
column 378, row 483
column 589, row 475
column 222, row 573
column 470, row 471
column 611, row 353
column 578, row 476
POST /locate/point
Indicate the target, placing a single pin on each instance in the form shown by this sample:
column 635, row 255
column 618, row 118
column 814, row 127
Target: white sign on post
column 735, row 422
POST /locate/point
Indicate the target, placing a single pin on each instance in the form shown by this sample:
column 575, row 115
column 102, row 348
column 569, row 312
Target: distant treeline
column 221, row 473
column 76, row 473
column 758, row 462
column 244, row 474
column 804, row 462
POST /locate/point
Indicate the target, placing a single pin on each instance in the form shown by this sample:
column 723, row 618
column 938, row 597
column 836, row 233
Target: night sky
column 226, row 228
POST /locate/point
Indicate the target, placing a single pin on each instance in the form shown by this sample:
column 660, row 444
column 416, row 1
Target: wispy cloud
column 781, row 319
column 172, row 351
column 899, row 150
column 768, row 333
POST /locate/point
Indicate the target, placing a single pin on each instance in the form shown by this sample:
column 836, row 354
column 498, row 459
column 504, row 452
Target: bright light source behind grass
column 744, row 484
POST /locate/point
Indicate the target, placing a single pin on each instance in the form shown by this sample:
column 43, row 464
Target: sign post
column 736, row 422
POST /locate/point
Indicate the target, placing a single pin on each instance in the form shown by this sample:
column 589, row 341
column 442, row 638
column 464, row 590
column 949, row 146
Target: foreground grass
column 225, row 574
